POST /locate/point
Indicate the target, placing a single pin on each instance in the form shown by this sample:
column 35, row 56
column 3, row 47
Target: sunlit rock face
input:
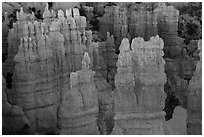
column 194, row 99
column 167, row 23
column 79, row 106
column 139, row 95
column 20, row 29
column 35, row 86
column 125, row 93
column 42, row 64
column 143, row 23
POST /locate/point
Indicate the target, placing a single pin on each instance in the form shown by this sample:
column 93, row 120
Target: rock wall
column 194, row 99
column 105, row 121
column 12, row 114
column 47, row 53
column 167, row 19
column 114, row 21
column 180, row 63
column 142, row 23
column 139, row 96
column 106, row 22
column 19, row 30
column 79, row 106
column 36, row 80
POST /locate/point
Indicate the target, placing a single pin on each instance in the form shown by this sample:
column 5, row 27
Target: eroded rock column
column 79, row 106
column 105, row 121
column 139, row 95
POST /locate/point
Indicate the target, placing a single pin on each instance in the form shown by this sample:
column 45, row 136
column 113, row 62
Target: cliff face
column 167, row 19
column 194, row 99
column 79, row 106
column 48, row 52
column 107, row 50
column 36, row 81
column 180, row 61
column 54, row 89
column 139, row 96
column 114, row 21
column 105, row 121
column 12, row 114
column 20, row 29
column 131, row 22
column 142, row 23
column 42, row 64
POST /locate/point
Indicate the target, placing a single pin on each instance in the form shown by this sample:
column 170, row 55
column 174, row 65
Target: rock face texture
column 35, row 86
column 180, row 64
column 64, row 83
column 114, row 21
column 194, row 100
column 107, row 50
column 100, row 54
column 5, row 31
column 143, row 23
column 42, row 64
column 105, row 119
column 167, row 19
column 20, row 29
column 12, row 114
column 176, row 85
column 139, row 96
column 79, row 106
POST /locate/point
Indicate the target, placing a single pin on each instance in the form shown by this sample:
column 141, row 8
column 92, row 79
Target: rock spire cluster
column 139, row 95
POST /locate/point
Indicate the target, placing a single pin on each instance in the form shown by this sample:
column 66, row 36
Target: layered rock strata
column 139, row 96
column 167, row 19
column 143, row 23
column 99, row 62
column 106, row 22
column 35, row 86
column 105, row 119
column 114, row 21
column 194, row 99
column 13, row 41
column 107, row 49
column 79, row 106
column 13, row 38
column 43, row 62
column 12, row 114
